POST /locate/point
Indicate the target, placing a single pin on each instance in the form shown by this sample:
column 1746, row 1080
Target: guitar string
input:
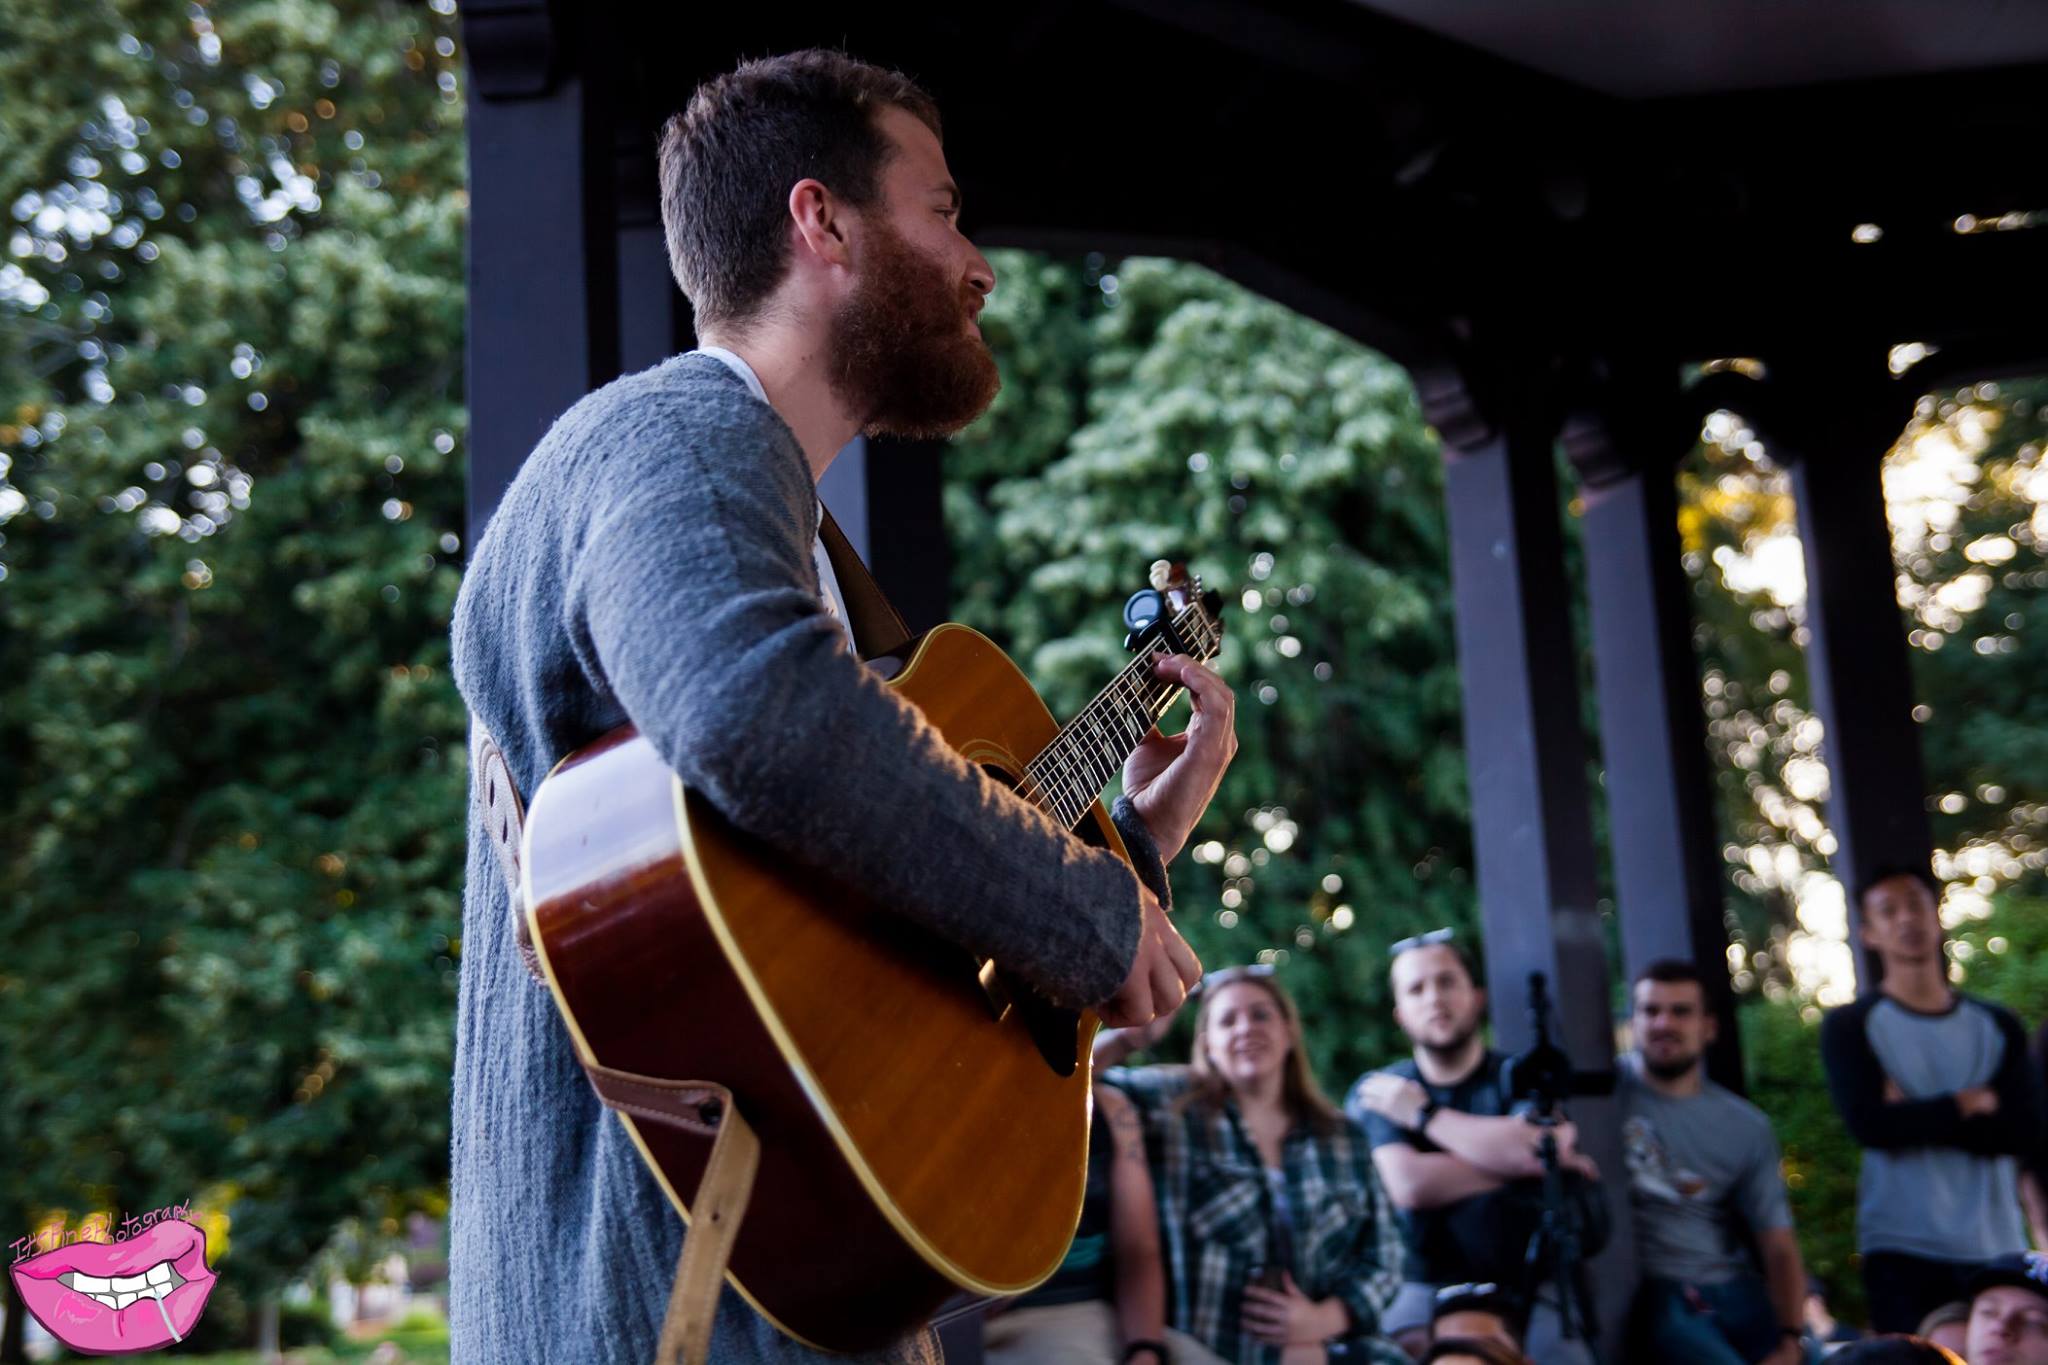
column 1071, row 797
column 1079, row 790
column 1058, row 779
column 1056, row 759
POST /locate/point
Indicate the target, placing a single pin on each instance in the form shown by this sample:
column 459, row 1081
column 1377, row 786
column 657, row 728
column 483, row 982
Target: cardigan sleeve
column 693, row 599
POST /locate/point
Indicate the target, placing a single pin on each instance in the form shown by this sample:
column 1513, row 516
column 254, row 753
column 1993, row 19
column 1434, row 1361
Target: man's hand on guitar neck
column 1171, row 779
column 1161, row 976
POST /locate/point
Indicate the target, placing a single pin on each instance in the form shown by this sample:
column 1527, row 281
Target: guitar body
column 913, row 1143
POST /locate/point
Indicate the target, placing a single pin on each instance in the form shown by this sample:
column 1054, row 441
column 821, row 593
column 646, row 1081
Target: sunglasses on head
column 1435, row 938
column 1222, row 977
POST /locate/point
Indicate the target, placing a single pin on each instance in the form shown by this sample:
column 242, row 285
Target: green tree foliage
column 1781, row 1063
column 1967, row 494
column 1160, row 411
column 231, row 424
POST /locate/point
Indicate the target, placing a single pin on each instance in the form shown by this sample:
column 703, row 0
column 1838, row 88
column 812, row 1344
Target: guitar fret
column 1067, row 777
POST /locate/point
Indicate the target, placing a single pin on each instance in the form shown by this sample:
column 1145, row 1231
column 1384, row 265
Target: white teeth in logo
column 117, row 1293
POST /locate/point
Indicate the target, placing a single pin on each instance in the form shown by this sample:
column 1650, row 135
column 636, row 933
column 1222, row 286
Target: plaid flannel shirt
column 1215, row 1213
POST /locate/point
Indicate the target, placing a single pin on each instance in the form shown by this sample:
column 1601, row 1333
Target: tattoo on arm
column 1126, row 1130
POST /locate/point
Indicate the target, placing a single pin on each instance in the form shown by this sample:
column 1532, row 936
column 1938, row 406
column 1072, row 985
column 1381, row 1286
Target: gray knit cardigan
column 653, row 562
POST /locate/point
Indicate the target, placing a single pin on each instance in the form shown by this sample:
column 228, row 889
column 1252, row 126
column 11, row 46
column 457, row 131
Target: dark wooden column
column 1526, row 753
column 543, row 302
column 1856, row 653
column 1660, row 812
column 653, row 315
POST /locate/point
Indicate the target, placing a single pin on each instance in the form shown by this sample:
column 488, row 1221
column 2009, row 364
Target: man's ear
column 1710, row 1026
column 818, row 217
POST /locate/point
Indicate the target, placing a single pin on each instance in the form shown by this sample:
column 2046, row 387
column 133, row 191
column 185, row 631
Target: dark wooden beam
column 1525, row 749
column 1660, row 811
column 543, row 316
column 1835, row 423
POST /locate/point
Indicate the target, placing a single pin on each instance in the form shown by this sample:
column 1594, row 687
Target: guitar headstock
column 1166, row 606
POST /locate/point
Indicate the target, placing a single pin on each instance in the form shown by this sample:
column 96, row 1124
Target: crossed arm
column 1479, row 1152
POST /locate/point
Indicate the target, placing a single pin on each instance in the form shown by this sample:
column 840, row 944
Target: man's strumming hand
column 1161, row 976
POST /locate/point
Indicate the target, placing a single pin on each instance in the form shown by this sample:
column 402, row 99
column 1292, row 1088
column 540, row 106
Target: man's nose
column 981, row 276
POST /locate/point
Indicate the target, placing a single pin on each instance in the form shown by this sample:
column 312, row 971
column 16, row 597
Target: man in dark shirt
column 1447, row 1147
column 1937, row 1089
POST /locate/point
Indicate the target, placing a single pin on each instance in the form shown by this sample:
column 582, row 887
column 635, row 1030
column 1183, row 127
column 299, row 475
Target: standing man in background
column 1937, row 1089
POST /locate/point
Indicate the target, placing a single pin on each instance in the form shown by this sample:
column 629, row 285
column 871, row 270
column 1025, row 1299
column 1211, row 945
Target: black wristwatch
column 1429, row 1111
column 1157, row 1348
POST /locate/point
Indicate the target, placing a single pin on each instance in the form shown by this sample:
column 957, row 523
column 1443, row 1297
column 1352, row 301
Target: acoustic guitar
column 923, row 1117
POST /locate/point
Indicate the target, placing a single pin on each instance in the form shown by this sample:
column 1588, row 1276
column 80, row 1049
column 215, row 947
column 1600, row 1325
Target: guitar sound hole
column 1055, row 1032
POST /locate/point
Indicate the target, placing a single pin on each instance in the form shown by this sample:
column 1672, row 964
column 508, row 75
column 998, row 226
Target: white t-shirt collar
column 737, row 366
column 828, row 581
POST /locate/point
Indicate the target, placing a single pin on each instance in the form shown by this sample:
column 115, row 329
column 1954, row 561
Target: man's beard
column 1448, row 1052
column 901, row 357
column 1670, row 1069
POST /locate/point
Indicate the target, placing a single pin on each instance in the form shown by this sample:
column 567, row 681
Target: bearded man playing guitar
column 657, row 563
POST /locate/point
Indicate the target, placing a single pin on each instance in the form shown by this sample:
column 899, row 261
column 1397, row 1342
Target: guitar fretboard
column 1070, row 772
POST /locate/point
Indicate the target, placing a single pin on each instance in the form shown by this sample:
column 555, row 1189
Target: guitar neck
column 1072, row 770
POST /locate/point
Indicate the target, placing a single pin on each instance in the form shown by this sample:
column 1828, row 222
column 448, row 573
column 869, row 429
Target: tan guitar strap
column 715, row 1212
column 877, row 626
column 505, row 818
column 703, row 1108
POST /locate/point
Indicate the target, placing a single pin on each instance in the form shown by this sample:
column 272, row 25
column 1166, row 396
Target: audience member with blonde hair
column 1279, row 1241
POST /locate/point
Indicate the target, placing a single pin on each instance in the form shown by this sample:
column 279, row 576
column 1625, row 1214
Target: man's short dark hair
column 729, row 159
column 1436, row 938
column 1671, row 971
column 1885, row 874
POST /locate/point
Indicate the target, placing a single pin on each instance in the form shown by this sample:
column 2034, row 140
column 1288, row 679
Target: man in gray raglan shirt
column 1723, row 1282
column 655, row 561
column 1936, row 1087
